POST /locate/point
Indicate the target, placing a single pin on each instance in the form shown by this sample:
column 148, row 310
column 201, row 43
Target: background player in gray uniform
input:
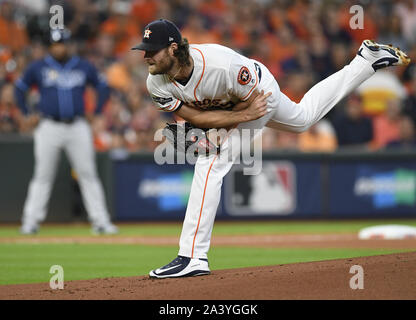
column 61, row 81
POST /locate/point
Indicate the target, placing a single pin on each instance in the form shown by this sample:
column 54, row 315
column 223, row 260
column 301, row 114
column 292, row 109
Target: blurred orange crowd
column 301, row 42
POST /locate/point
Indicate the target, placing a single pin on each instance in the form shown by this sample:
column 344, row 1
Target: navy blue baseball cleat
column 381, row 55
column 182, row 267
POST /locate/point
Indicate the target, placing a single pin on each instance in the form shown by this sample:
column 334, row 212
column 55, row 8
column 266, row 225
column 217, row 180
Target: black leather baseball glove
column 185, row 137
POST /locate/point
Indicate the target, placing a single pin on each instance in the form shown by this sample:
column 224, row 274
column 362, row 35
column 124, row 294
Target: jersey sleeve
column 100, row 83
column 23, row 84
column 243, row 77
column 29, row 77
column 164, row 100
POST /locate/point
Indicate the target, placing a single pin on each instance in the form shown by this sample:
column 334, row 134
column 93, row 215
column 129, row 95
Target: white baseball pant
column 50, row 138
column 285, row 115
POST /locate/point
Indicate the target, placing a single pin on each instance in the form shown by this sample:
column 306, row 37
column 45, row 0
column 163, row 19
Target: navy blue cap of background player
column 59, row 36
column 159, row 34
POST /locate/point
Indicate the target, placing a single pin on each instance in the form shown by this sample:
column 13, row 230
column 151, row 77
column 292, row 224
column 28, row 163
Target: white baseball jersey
column 221, row 77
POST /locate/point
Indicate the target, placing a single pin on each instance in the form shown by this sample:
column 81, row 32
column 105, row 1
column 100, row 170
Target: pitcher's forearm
column 219, row 119
column 214, row 118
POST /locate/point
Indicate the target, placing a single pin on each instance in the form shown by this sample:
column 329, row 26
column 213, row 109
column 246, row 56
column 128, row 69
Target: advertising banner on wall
column 271, row 192
column 146, row 190
column 373, row 189
column 275, row 191
column 298, row 188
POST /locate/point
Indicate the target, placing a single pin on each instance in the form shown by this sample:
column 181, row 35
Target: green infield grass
column 25, row 263
column 30, row 263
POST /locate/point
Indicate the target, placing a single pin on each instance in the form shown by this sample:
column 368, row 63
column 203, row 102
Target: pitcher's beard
column 163, row 68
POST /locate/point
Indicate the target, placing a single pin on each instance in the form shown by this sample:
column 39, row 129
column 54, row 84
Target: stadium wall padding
column 290, row 186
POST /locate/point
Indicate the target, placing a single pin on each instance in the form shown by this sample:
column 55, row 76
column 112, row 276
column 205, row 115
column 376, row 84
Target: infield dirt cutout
column 390, row 276
column 273, row 241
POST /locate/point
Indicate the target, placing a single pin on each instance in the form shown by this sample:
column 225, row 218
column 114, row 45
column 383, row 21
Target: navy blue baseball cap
column 159, row 34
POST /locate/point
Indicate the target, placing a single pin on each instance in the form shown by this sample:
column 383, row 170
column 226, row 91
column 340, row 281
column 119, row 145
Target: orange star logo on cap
column 147, row 33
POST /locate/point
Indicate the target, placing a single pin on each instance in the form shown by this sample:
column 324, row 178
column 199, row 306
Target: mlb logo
column 272, row 192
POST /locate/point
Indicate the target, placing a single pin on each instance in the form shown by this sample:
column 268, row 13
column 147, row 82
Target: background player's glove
column 185, row 137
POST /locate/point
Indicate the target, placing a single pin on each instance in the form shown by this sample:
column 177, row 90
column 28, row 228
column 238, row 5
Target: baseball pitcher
column 212, row 86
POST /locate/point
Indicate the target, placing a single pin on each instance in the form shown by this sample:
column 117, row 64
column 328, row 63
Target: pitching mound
column 385, row 277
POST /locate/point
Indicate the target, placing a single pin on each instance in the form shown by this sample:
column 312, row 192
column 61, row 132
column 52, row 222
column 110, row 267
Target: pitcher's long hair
column 182, row 53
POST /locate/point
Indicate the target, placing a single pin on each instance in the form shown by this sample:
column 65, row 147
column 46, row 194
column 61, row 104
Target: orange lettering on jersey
column 244, row 76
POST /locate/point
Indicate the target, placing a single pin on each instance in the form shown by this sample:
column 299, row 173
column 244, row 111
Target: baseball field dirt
column 389, row 276
column 346, row 240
